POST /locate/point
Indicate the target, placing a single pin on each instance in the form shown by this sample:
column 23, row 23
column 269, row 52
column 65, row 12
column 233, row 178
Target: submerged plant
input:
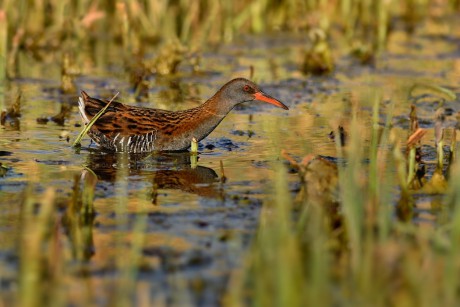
column 168, row 58
column 361, row 253
column 319, row 178
column 3, row 170
column 68, row 73
column 318, row 59
column 3, row 47
column 12, row 114
column 417, row 180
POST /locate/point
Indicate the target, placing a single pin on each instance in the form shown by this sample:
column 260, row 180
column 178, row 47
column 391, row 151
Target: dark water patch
column 53, row 162
column 222, row 144
column 10, row 264
column 12, row 186
column 260, row 164
column 42, row 82
column 173, row 261
column 297, row 91
column 403, row 121
column 214, row 235
column 248, row 133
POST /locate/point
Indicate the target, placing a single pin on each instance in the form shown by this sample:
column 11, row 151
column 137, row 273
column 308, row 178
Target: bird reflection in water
column 166, row 171
column 171, row 171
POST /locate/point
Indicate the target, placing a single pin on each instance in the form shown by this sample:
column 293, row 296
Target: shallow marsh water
column 198, row 226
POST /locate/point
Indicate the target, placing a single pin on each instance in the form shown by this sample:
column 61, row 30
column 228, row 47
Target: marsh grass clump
column 318, row 58
column 3, row 45
column 45, row 29
column 78, row 218
column 14, row 111
column 57, row 241
column 363, row 52
column 68, row 73
column 348, row 237
column 319, row 178
column 359, row 251
column 138, row 76
column 168, row 58
column 33, row 245
column 417, row 177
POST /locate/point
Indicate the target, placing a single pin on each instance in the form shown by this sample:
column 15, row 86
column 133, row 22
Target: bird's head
column 242, row 90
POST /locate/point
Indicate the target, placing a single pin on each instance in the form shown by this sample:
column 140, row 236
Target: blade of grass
column 3, row 44
column 444, row 92
column 3, row 56
column 77, row 142
column 33, row 238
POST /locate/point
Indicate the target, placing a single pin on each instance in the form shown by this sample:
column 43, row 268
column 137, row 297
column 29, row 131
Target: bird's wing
column 121, row 119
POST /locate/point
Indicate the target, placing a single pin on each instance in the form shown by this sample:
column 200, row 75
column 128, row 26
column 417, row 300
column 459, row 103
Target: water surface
column 198, row 225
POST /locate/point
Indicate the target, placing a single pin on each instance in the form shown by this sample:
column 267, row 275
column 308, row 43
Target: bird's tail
column 89, row 106
column 81, row 106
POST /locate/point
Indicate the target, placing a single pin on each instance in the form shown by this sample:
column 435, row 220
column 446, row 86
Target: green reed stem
column 385, row 206
column 452, row 280
column 3, row 45
column 373, row 167
column 352, row 193
column 87, row 208
column 439, row 90
column 440, row 154
column 3, row 56
column 130, row 267
column 71, row 220
column 194, row 146
column 453, row 146
column 194, row 153
column 33, row 237
column 382, row 11
column 412, row 165
column 122, row 297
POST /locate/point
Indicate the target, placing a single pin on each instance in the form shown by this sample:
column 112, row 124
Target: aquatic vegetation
column 364, row 24
column 68, row 73
column 12, row 114
column 359, row 252
column 319, row 178
column 168, row 58
column 368, row 214
column 3, row 170
column 318, row 59
column 3, row 45
column 363, row 52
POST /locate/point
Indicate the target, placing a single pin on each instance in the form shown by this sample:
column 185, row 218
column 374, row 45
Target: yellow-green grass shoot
column 194, row 146
column 3, row 55
column 194, row 152
column 438, row 90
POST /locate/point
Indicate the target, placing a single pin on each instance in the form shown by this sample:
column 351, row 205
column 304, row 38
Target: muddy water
column 198, row 225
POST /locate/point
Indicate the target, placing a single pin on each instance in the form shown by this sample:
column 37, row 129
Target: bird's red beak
column 266, row 98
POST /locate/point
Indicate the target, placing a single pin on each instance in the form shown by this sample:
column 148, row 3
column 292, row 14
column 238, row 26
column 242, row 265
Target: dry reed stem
column 416, row 137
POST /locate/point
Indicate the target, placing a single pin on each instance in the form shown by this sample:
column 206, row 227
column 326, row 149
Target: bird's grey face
column 242, row 90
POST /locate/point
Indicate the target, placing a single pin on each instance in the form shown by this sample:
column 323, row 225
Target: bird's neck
column 207, row 116
column 217, row 105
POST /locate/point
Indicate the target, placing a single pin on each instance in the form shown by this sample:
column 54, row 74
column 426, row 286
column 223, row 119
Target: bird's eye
column 246, row 88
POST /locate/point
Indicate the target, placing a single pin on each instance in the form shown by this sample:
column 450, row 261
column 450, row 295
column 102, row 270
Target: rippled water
column 198, row 225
